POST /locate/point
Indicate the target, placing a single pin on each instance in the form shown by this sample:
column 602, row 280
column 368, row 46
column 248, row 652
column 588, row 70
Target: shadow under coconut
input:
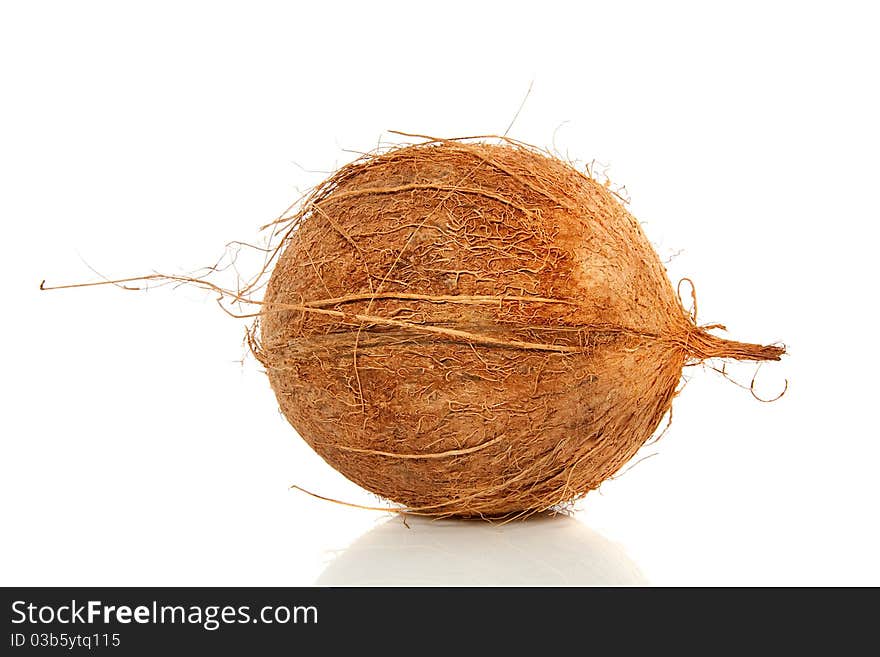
column 543, row 550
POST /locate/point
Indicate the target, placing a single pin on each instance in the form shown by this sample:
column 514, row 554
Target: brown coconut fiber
column 474, row 328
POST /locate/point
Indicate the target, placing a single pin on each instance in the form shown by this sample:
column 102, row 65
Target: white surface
column 137, row 450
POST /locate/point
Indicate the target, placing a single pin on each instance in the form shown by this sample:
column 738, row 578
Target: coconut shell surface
column 475, row 329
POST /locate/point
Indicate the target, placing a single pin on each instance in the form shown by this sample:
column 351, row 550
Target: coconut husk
column 475, row 328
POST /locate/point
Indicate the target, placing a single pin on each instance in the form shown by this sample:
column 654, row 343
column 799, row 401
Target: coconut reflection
column 544, row 550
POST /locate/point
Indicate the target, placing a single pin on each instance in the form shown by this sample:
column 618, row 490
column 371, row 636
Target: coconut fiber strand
column 473, row 328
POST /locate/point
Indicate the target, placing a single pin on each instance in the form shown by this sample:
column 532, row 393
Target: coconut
column 475, row 328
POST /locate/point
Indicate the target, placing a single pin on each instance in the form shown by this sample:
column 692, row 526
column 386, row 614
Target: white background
column 137, row 448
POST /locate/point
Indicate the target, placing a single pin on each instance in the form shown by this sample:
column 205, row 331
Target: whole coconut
column 473, row 328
